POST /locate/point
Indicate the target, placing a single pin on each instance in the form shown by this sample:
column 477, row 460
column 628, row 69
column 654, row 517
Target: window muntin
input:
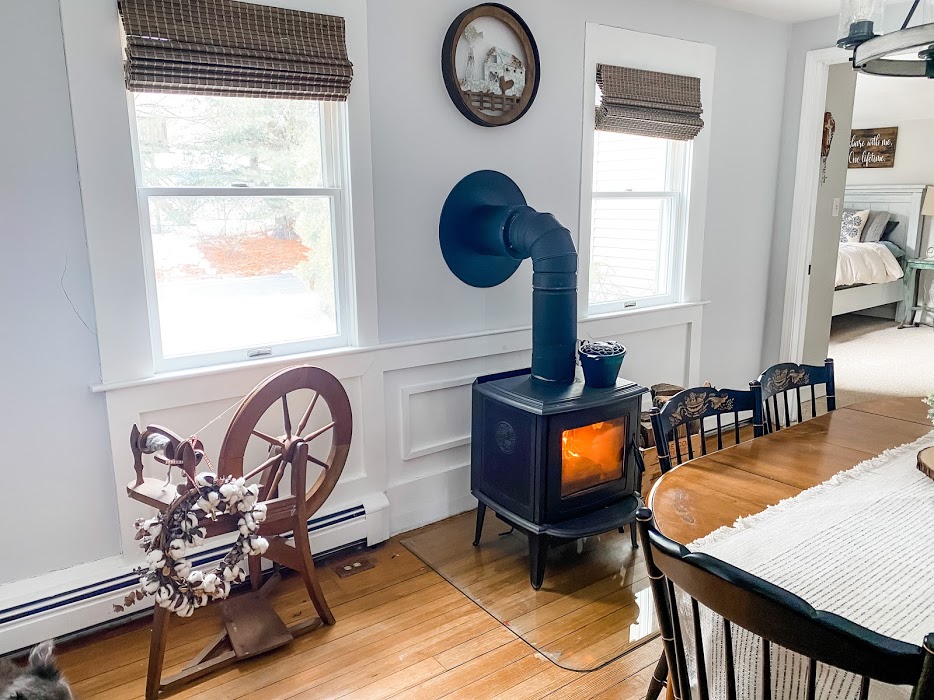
column 637, row 221
column 244, row 232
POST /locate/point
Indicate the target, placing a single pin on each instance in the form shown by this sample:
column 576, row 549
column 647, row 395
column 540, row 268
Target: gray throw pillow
column 875, row 226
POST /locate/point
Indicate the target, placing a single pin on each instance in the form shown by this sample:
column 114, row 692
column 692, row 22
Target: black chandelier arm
column 911, row 12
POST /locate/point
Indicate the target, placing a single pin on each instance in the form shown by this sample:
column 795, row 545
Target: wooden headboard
column 903, row 201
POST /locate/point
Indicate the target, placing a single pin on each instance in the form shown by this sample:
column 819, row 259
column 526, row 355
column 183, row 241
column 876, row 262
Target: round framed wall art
column 490, row 65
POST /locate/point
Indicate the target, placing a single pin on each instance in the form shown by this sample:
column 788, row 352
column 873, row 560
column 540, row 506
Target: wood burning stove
column 556, row 461
column 550, row 455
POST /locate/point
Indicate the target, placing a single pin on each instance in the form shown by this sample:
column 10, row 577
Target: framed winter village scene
column 490, row 65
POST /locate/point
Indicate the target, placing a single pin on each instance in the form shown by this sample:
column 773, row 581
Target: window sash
column 672, row 238
column 334, row 154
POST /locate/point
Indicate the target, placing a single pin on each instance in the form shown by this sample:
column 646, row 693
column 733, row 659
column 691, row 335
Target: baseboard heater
column 84, row 609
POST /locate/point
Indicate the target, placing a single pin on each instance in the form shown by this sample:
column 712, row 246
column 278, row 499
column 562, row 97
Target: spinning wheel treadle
column 252, row 627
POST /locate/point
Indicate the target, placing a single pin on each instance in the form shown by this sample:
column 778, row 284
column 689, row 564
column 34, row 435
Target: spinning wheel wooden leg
column 256, row 572
column 310, row 577
column 160, row 633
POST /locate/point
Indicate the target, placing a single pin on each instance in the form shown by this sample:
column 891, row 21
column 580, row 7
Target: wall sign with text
column 873, row 148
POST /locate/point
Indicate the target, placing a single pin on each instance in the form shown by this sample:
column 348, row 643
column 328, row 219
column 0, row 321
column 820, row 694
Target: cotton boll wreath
column 167, row 538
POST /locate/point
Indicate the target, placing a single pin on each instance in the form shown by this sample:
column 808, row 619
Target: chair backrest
column 781, row 399
column 772, row 614
column 685, row 414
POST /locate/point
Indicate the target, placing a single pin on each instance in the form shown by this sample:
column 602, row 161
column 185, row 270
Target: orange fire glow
column 592, row 455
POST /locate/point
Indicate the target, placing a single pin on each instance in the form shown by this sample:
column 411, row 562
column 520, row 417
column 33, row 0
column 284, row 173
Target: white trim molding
column 804, row 208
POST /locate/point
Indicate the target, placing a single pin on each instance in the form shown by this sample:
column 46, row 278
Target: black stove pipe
column 486, row 231
column 539, row 236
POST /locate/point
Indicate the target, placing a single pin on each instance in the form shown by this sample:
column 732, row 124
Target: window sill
column 346, row 351
column 660, row 308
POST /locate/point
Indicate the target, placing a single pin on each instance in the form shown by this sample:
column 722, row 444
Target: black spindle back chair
column 684, row 413
column 781, row 387
column 775, row 616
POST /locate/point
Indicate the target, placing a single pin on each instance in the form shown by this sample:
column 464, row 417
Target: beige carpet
column 873, row 358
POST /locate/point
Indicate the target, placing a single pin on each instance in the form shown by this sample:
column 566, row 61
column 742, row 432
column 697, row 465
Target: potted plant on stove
column 601, row 361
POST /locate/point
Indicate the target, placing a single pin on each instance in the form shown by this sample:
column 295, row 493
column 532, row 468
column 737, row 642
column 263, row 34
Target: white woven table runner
column 860, row 545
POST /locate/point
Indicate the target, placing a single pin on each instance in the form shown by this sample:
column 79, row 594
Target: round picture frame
column 496, row 107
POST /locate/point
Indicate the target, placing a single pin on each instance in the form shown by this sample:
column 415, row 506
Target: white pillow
column 851, row 225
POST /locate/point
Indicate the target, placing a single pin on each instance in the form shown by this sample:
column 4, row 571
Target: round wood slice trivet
column 926, row 461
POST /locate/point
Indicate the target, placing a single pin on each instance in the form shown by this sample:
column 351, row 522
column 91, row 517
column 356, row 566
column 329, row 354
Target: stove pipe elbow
column 486, row 230
column 539, row 236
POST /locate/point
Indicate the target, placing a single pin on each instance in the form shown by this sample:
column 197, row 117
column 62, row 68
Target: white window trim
column 622, row 47
column 94, row 59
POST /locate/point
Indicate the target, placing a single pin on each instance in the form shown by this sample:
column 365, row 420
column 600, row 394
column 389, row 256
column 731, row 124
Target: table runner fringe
column 751, row 521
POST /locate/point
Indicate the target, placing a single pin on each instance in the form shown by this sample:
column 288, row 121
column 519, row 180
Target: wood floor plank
column 402, row 632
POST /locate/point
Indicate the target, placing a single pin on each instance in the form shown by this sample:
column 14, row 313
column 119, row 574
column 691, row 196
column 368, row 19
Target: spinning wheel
column 321, row 405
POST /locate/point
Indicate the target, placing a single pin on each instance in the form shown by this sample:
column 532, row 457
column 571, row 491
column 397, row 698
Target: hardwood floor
column 402, row 632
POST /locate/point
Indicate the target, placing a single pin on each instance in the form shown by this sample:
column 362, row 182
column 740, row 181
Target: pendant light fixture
column 906, row 52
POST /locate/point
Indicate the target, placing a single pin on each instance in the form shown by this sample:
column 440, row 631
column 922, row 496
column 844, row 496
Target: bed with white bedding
column 869, row 274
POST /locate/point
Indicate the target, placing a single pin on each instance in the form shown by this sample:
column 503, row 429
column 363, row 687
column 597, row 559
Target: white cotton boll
column 186, row 611
column 205, row 479
column 259, row 512
column 177, row 549
column 195, row 579
column 260, row 545
column 243, row 527
column 214, row 498
column 155, row 559
column 229, row 574
column 245, row 546
column 163, row 595
column 150, row 584
column 209, row 583
column 223, row 589
column 228, row 491
column 197, row 536
column 182, row 569
column 204, row 505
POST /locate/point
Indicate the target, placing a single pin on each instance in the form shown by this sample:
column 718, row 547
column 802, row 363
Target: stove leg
column 481, row 512
column 538, row 557
column 632, row 534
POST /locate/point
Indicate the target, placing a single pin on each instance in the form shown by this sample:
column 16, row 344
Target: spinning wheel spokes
column 285, row 415
column 268, row 438
column 326, row 390
column 307, row 415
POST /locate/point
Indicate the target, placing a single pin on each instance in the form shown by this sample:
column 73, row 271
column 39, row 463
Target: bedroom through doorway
column 877, row 163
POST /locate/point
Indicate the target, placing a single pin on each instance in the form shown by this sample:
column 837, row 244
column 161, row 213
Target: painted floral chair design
column 780, row 393
column 700, row 413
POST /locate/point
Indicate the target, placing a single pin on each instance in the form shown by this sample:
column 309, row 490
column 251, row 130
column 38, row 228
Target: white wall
column 59, row 505
column 420, row 148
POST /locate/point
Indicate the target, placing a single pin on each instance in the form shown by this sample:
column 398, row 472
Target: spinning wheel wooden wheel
column 263, row 428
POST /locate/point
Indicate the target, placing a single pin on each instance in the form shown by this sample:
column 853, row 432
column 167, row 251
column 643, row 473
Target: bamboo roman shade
column 647, row 103
column 223, row 47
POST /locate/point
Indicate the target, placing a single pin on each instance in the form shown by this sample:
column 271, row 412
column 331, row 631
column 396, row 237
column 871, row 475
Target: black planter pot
column 601, row 362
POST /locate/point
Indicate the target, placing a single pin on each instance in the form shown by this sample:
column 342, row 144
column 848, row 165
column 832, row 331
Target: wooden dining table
column 704, row 494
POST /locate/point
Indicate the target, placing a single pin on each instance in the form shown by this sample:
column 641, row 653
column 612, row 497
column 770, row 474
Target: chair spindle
column 719, row 433
column 699, row 651
column 864, row 688
column 766, row 669
column 730, row 668
column 812, row 679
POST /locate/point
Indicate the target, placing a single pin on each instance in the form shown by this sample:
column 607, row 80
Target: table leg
column 910, row 292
